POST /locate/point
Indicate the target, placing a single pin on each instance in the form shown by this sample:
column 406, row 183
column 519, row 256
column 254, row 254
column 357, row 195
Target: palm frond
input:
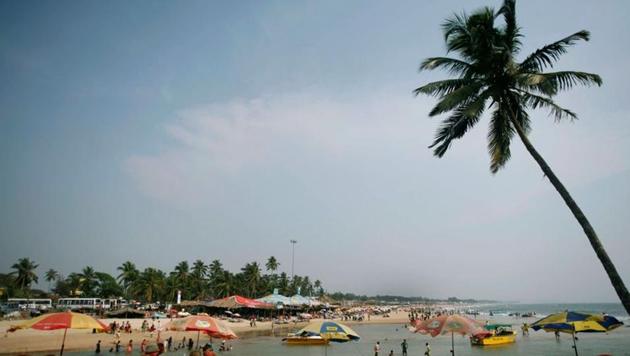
column 457, row 35
column 459, row 97
column 568, row 79
column 458, row 124
column 536, row 101
column 456, row 25
column 442, row 87
column 500, row 135
column 536, row 82
column 452, row 65
column 511, row 32
column 547, row 55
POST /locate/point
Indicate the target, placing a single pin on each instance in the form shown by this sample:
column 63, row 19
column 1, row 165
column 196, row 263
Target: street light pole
column 293, row 242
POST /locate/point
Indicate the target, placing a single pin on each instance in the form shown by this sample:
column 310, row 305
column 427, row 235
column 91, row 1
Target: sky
column 161, row 131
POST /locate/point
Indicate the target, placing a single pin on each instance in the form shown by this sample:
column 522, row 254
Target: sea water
column 390, row 336
column 538, row 343
column 614, row 309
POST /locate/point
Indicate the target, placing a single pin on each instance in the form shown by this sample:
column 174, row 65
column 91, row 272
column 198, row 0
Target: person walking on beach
column 377, row 348
column 427, row 352
column 404, row 347
column 98, row 347
column 130, row 346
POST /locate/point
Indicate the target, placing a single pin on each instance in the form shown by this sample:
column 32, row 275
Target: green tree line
column 199, row 281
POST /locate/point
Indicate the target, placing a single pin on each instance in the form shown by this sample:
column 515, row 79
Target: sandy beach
column 30, row 341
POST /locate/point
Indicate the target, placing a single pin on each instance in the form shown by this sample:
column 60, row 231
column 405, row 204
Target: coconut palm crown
column 489, row 78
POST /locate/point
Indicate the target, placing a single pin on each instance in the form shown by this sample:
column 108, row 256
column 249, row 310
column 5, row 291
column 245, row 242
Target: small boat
column 305, row 340
column 495, row 334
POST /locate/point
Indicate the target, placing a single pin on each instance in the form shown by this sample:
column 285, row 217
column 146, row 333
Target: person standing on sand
column 130, row 346
column 98, row 347
column 404, row 347
column 428, row 350
column 377, row 348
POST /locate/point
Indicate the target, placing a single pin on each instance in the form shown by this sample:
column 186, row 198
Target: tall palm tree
column 25, row 274
column 272, row 264
column 89, row 281
column 50, row 276
column 74, row 282
column 216, row 274
column 182, row 272
column 251, row 275
column 150, row 285
column 224, row 284
column 128, row 275
column 283, row 283
column 488, row 76
column 198, row 279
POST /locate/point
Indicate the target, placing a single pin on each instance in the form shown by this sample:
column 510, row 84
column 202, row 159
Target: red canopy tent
column 237, row 301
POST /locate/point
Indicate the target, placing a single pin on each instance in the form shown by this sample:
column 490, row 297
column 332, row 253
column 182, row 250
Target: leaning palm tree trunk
column 615, row 279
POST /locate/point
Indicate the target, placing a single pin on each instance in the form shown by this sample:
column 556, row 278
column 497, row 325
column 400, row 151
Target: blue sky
column 163, row 131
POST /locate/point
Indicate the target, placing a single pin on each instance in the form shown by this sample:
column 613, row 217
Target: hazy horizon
column 161, row 131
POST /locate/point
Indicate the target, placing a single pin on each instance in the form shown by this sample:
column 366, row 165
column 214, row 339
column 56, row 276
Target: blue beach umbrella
column 574, row 322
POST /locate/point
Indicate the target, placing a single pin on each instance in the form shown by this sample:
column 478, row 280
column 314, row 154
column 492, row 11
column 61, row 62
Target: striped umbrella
column 64, row 320
column 444, row 324
column 202, row 323
column 574, row 322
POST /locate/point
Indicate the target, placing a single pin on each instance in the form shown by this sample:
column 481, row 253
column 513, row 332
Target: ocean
column 616, row 342
column 614, row 309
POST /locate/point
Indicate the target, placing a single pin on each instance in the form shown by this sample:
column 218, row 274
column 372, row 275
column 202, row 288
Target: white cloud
column 223, row 139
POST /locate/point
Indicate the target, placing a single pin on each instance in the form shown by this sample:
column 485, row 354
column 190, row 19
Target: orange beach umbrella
column 64, row 320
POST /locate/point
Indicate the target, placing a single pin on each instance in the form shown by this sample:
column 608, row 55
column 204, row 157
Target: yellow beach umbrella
column 329, row 330
column 574, row 322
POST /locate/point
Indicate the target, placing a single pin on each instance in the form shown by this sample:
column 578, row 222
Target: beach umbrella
column 444, row 324
column 574, row 322
column 202, row 323
column 65, row 320
column 329, row 330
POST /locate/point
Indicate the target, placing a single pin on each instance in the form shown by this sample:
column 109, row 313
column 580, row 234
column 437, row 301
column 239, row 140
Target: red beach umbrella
column 64, row 320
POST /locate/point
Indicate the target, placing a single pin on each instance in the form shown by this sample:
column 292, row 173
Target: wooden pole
column 63, row 343
column 198, row 332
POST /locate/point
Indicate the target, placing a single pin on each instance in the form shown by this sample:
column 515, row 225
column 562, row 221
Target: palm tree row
column 200, row 282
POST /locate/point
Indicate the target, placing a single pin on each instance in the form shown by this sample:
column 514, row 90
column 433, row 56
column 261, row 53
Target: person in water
column 404, row 347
